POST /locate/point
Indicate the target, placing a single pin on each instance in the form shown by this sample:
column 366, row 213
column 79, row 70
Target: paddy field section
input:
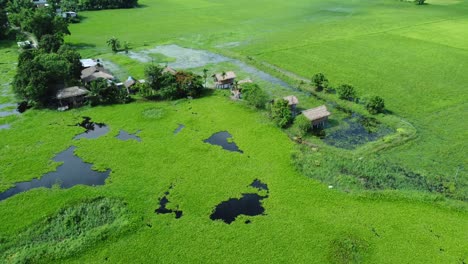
column 303, row 220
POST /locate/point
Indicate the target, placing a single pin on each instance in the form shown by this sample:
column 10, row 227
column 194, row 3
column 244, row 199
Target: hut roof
column 96, row 75
column 88, row 71
column 71, row 92
column 316, row 113
column 229, row 75
column 292, row 100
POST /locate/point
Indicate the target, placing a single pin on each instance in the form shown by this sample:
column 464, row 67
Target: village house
column 292, row 102
column 71, row 97
column 224, row 80
column 93, row 73
column 318, row 116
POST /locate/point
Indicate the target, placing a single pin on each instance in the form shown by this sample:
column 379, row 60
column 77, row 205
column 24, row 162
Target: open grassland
column 414, row 56
column 304, row 221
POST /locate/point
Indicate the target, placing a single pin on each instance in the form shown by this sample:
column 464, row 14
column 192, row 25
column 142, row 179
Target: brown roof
column 88, row 71
column 71, row 92
column 316, row 113
column 229, row 75
column 97, row 75
column 292, row 100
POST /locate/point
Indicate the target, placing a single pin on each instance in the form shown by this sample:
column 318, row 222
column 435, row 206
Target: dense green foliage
column 41, row 74
column 375, row 105
column 68, row 232
column 254, row 95
column 280, row 113
column 102, row 92
column 319, row 81
column 172, row 86
column 302, row 125
column 347, row 92
column 114, row 44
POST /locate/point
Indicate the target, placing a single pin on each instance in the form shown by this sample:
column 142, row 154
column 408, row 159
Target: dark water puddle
column 162, row 206
column 93, row 130
column 178, row 129
column 357, row 130
column 249, row 204
column 72, row 172
column 123, row 135
column 221, row 139
column 259, row 185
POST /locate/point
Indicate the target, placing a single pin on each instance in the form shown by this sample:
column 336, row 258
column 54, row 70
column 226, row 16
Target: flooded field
column 72, row 172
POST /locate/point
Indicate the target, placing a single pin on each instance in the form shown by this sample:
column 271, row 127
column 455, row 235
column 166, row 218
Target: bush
column 254, row 95
column 101, row 92
column 347, row 92
column 319, row 81
column 281, row 113
column 302, row 125
column 375, row 105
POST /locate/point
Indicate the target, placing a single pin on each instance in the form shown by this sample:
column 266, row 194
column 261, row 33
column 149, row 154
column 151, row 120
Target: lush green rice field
column 416, row 57
column 303, row 221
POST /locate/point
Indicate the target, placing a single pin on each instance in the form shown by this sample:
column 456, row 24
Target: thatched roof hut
column 318, row 116
column 70, row 92
column 292, row 100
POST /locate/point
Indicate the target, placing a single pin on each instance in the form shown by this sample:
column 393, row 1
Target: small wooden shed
column 292, row 102
column 318, row 116
column 225, row 80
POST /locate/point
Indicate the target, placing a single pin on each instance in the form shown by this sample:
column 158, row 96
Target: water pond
column 249, row 204
column 124, row 136
column 92, row 130
column 355, row 131
column 72, row 172
column 162, row 209
column 178, row 129
column 223, row 139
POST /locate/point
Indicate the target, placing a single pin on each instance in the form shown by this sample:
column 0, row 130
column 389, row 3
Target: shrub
column 281, row 113
column 254, row 95
column 319, row 81
column 302, row 125
column 375, row 105
column 347, row 92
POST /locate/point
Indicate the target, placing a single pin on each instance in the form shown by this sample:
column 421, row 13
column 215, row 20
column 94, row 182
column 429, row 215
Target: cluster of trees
column 103, row 92
column 75, row 5
column 3, row 19
column 374, row 104
column 40, row 74
column 166, row 85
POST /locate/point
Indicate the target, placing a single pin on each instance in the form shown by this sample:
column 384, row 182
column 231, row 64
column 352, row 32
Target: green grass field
column 415, row 57
column 302, row 219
